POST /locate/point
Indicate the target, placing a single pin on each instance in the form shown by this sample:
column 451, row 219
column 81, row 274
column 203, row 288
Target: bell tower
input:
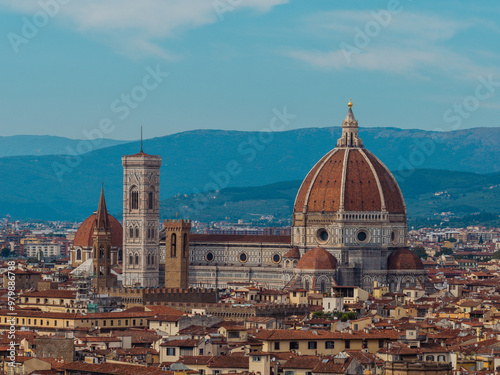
column 141, row 204
column 177, row 253
column 101, row 248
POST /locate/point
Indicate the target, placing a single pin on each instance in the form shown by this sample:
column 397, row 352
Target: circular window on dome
column 323, row 235
column 362, row 236
column 276, row 258
column 243, row 257
column 209, row 256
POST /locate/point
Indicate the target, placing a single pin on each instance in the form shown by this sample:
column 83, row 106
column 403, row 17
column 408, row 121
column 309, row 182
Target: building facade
column 349, row 228
column 141, row 207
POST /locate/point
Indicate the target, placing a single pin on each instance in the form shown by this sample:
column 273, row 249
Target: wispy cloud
column 405, row 43
column 139, row 26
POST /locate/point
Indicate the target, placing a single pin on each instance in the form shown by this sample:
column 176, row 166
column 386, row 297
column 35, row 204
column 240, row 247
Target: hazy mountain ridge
column 22, row 145
column 428, row 193
column 64, row 187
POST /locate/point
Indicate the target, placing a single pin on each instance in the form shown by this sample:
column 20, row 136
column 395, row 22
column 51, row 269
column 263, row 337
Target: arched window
column 137, row 232
column 323, row 286
column 120, row 255
column 101, row 252
column 134, row 198
column 173, row 246
column 151, row 198
column 78, row 254
column 130, row 261
column 149, row 232
column 185, row 246
column 306, row 285
column 137, row 260
column 429, row 358
column 149, row 259
column 131, row 232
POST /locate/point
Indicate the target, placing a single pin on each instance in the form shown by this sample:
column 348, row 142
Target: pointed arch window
column 78, row 254
column 134, row 198
column 101, row 252
column 131, row 232
column 151, row 198
column 173, row 246
column 137, row 232
column 323, row 286
column 137, row 260
column 130, row 261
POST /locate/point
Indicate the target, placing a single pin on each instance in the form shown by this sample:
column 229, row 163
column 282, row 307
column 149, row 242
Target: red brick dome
column 368, row 185
column 83, row 237
column 404, row 259
column 317, row 259
column 351, row 178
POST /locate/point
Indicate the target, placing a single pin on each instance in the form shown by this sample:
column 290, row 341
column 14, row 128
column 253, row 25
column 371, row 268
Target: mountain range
column 62, row 187
column 19, row 145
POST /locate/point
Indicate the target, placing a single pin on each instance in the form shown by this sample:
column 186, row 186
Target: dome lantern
column 350, row 128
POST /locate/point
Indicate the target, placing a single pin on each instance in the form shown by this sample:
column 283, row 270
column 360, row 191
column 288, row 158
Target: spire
column 350, row 130
column 102, row 220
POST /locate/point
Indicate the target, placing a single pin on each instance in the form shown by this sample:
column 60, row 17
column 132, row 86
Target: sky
column 90, row 68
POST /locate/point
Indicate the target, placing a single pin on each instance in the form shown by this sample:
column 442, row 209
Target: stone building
column 349, row 228
column 141, row 207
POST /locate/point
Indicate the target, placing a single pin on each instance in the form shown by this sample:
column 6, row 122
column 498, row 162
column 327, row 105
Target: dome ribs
column 306, row 184
column 359, row 196
column 393, row 197
column 324, row 193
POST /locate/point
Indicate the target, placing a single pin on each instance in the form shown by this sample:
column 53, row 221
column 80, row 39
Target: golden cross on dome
column 350, row 103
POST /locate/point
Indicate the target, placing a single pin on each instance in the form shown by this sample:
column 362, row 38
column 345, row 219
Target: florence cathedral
column 349, row 229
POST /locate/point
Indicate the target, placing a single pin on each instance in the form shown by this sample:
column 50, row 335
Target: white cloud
column 140, row 24
column 403, row 43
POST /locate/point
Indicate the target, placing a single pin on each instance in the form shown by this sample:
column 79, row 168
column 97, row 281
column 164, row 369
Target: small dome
column 404, row 259
column 83, row 236
column 293, row 253
column 317, row 259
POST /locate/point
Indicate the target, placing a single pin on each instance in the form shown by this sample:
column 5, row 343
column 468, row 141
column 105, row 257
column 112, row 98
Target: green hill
column 61, row 187
column 428, row 193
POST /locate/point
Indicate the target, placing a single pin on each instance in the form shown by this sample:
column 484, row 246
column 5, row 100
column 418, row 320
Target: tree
column 5, row 252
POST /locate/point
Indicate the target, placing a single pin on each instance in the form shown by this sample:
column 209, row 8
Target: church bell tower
column 141, row 204
column 101, row 248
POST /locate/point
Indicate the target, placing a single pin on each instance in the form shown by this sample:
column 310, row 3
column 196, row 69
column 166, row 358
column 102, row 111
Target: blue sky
column 65, row 64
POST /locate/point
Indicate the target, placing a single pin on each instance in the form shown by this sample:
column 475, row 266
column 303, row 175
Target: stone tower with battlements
column 141, row 188
column 177, row 253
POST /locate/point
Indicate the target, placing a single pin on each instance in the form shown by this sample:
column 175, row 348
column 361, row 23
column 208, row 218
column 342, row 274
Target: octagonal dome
column 349, row 178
